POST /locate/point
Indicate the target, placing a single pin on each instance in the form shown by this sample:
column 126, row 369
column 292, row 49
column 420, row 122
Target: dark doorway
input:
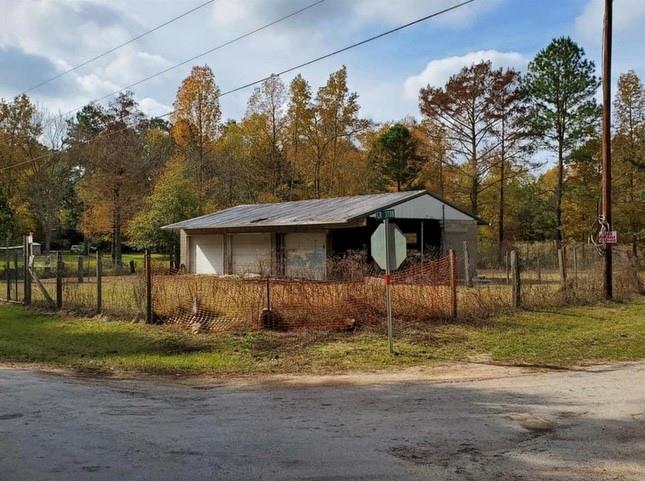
column 416, row 231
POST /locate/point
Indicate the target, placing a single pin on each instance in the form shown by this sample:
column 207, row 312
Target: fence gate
column 12, row 283
column 43, row 272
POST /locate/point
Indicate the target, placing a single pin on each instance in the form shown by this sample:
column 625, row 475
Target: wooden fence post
column 562, row 268
column 99, row 290
column 148, row 269
column 468, row 278
column 453, row 283
column 515, row 270
column 27, row 275
column 539, row 271
column 507, row 268
column 59, row 280
column 81, row 274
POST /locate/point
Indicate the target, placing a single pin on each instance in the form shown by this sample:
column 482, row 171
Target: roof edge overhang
column 351, row 222
column 271, row 227
column 417, row 194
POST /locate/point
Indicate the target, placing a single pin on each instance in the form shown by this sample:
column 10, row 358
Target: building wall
column 427, row 207
column 184, row 249
column 252, row 253
column 457, row 232
column 206, row 254
column 305, row 254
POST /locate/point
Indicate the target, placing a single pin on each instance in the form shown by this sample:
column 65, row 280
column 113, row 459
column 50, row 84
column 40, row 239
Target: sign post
column 388, row 284
column 389, row 251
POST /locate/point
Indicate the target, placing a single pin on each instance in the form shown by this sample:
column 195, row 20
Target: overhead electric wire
column 290, row 69
column 348, row 47
column 117, row 47
column 206, row 52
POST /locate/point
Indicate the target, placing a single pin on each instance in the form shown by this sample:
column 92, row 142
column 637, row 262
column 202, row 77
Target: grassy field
column 558, row 337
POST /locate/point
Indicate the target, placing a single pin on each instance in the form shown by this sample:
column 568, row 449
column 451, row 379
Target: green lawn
column 557, row 337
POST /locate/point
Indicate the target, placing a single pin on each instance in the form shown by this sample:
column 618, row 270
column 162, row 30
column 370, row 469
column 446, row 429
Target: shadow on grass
column 517, row 430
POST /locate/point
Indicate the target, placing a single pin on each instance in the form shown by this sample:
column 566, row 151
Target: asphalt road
column 565, row 425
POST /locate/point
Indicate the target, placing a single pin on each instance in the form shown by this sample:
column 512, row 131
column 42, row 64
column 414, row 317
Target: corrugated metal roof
column 337, row 210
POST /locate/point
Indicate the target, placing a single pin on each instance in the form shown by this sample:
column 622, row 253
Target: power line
column 290, row 69
column 344, row 49
column 210, row 50
column 117, row 47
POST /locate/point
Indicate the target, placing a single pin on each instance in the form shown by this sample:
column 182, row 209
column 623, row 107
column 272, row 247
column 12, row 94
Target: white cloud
column 438, row 71
column 152, row 107
column 401, row 11
column 628, row 17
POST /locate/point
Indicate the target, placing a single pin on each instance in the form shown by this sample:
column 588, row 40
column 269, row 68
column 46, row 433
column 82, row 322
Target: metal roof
column 337, row 210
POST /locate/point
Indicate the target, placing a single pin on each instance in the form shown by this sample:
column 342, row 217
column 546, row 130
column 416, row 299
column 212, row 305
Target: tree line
column 519, row 150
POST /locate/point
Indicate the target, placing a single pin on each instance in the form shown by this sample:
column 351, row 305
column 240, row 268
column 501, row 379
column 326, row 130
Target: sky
column 40, row 38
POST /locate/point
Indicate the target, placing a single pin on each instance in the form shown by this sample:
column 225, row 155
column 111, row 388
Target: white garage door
column 306, row 254
column 251, row 253
column 207, row 254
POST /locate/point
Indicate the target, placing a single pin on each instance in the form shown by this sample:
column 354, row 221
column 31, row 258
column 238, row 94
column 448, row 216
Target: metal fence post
column 99, row 274
column 27, row 275
column 7, row 266
column 59, row 280
column 468, row 278
column 15, row 274
column 515, row 271
column 148, row 269
column 80, row 268
column 453, row 283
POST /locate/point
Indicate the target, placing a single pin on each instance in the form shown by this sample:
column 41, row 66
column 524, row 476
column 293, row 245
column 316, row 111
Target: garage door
column 305, row 254
column 251, row 253
column 207, row 254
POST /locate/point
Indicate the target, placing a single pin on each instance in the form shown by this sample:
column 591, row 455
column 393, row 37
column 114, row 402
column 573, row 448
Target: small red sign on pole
column 608, row 237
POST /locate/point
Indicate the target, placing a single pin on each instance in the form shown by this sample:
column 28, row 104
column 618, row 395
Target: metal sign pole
column 388, row 285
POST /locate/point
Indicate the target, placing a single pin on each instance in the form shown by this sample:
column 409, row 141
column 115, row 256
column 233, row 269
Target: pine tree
column 561, row 85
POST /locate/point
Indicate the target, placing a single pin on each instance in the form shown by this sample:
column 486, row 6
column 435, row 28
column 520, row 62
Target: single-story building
column 295, row 239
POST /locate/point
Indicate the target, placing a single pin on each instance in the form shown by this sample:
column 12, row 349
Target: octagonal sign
column 397, row 244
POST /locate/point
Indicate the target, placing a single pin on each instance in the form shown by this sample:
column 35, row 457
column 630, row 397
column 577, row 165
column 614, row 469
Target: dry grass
column 207, row 303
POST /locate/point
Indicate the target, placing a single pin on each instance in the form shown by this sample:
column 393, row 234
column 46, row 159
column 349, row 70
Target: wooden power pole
column 606, row 143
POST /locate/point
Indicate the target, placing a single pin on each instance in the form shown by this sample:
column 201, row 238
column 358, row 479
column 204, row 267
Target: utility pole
column 606, row 143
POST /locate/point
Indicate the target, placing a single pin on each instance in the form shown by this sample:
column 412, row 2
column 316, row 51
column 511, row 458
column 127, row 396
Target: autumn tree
column 299, row 123
column 49, row 179
column 116, row 167
column 394, row 157
column 267, row 117
column 513, row 143
column 196, row 122
column 629, row 158
column 561, row 85
column 172, row 199
column 333, row 126
column 20, row 128
column 237, row 180
column 581, row 198
column 464, row 109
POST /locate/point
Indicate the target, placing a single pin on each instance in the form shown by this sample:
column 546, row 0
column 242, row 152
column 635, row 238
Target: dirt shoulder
column 453, row 372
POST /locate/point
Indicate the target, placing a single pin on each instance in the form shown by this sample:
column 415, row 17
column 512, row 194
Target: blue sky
column 42, row 37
